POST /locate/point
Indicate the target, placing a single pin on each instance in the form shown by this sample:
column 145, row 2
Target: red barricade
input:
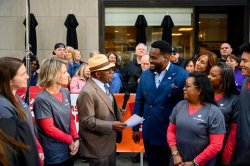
column 34, row 90
column 127, row 144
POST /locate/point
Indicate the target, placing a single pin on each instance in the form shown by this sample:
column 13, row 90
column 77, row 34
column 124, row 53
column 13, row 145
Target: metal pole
column 141, row 159
column 27, row 50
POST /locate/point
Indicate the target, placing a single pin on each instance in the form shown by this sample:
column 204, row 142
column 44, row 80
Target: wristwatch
column 175, row 153
column 79, row 139
column 195, row 163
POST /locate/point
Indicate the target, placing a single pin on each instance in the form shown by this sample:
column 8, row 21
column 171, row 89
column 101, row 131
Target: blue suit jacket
column 156, row 104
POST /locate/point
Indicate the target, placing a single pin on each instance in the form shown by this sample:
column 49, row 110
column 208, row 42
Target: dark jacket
column 156, row 104
column 181, row 62
column 20, row 131
column 130, row 76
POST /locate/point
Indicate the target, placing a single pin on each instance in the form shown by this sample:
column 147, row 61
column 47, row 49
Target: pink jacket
column 76, row 84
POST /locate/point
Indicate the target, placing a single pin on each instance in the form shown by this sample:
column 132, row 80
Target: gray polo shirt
column 27, row 112
column 192, row 131
column 47, row 106
column 229, row 106
column 7, row 109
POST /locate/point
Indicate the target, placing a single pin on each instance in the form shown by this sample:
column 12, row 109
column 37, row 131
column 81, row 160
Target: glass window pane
column 122, row 39
column 120, row 34
column 212, row 30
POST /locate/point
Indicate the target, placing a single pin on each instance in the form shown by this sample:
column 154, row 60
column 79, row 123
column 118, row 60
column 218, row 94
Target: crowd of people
column 196, row 111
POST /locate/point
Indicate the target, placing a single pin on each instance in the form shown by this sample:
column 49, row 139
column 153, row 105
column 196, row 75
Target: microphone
column 125, row 100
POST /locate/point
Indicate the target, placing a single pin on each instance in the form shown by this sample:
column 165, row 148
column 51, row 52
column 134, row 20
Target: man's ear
column 97, row 74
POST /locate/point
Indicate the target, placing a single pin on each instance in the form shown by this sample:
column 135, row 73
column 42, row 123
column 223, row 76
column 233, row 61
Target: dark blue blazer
column 156, row 104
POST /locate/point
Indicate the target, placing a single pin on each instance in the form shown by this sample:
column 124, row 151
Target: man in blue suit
column 159, row 90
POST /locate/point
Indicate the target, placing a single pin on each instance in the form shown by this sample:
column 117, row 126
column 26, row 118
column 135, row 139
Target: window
column 120, row 32
column 212, row 31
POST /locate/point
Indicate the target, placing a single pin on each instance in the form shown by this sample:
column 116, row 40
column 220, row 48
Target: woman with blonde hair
column 77, row 57
column 52, row 108
column 80, row 78
column 69, row 54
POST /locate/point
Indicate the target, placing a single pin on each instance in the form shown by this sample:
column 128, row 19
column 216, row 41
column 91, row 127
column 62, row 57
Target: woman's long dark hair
column 9, row 145
column 8, row 70
column 206, row 88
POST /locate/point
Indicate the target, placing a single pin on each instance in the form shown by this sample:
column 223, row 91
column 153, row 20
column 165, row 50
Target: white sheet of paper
column 134, row 120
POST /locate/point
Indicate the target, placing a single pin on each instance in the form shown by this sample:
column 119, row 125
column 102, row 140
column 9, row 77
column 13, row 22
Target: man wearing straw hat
column 99, row 115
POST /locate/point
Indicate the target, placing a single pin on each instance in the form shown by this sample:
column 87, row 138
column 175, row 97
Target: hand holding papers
column 134, row 120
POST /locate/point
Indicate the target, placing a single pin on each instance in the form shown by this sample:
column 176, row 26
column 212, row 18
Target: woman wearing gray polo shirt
column 196, row 129
column 226, row 95
column 52, row 108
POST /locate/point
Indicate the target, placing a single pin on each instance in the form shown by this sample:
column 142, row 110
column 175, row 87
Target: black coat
column 131, row 74
column 20, row 131
column 244, row 160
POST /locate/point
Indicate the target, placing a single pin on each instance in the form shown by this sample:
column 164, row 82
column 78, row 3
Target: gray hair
column 49, row 70
column 139, row 45
column 93, row 53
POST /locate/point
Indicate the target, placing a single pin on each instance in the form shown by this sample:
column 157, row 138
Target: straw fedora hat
column 99, row 62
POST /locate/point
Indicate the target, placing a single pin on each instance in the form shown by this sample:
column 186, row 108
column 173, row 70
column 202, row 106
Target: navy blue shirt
column 34, row 78
column 243, row 129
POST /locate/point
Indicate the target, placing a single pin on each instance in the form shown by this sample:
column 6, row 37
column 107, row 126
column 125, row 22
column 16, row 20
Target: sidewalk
column 125, row 159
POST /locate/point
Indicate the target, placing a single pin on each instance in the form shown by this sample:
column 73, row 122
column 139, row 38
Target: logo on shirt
column 221, row 106
column 24, row 104
column 67, row 102
column 199, row 118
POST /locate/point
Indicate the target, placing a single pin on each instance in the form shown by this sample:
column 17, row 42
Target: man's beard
column 156, row 69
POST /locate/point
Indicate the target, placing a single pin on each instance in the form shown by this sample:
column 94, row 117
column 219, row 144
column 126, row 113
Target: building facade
column 50, row 15
column 199, row 24
column 108, row 25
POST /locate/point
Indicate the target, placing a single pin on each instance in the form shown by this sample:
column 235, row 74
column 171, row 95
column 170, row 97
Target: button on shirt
column 159, row 77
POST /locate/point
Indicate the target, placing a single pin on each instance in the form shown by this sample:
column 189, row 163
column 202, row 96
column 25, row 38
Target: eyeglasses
column 189, row 86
